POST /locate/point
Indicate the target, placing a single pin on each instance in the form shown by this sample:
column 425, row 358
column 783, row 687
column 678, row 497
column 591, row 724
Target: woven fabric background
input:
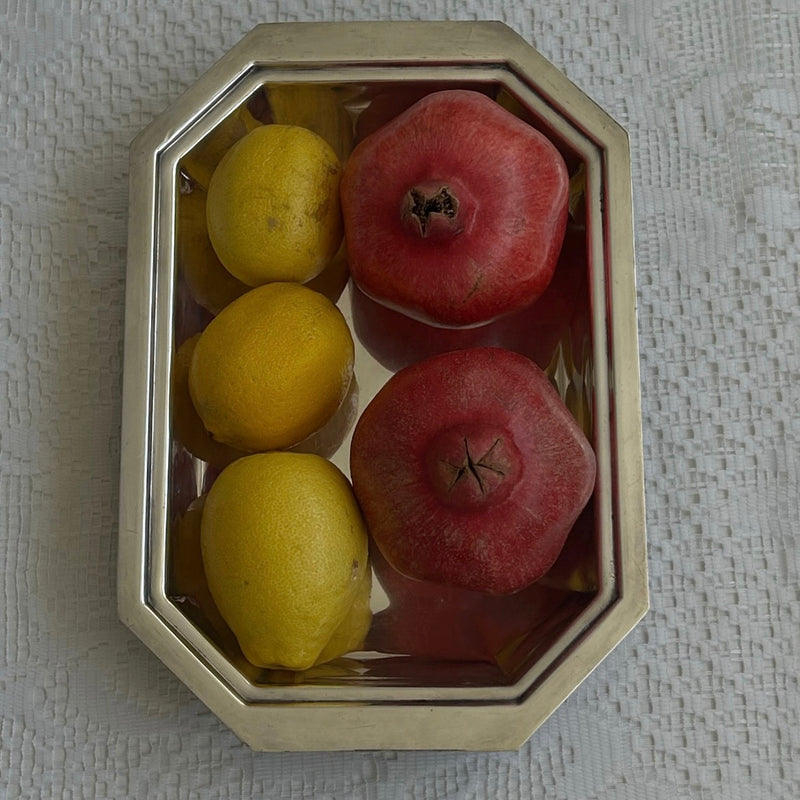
column 702, row 699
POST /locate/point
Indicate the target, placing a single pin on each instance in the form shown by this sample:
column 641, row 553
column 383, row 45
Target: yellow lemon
column 187, row 581
column 273, row 208
column 352, row 631
column 209, row 283
column 271, row 368
column 187, row 426
column 284, row 550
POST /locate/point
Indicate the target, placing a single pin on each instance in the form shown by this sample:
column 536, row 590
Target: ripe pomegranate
column 455, row 210
column 470, row 470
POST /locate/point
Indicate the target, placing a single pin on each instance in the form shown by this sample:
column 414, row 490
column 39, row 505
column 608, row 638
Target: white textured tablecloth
column 701, row 700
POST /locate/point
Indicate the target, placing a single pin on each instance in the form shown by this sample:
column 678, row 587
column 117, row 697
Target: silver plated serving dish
column 460, row 672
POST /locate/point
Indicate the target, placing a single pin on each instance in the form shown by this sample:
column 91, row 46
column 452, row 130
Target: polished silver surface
column 377, row 699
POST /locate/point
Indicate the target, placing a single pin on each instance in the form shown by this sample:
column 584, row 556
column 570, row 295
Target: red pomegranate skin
column 559, row 315
column 455, row 210
column 432, row 620
column 392, row 100
column 470, row 470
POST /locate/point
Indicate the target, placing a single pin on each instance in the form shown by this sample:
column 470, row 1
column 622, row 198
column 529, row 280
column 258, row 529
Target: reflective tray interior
column 422, row 635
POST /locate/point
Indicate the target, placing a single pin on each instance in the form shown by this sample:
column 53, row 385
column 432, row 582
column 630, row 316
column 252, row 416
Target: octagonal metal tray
column 458, row 684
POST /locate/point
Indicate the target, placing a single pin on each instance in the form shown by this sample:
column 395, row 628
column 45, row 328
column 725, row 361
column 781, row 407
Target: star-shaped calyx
column 472, row 465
